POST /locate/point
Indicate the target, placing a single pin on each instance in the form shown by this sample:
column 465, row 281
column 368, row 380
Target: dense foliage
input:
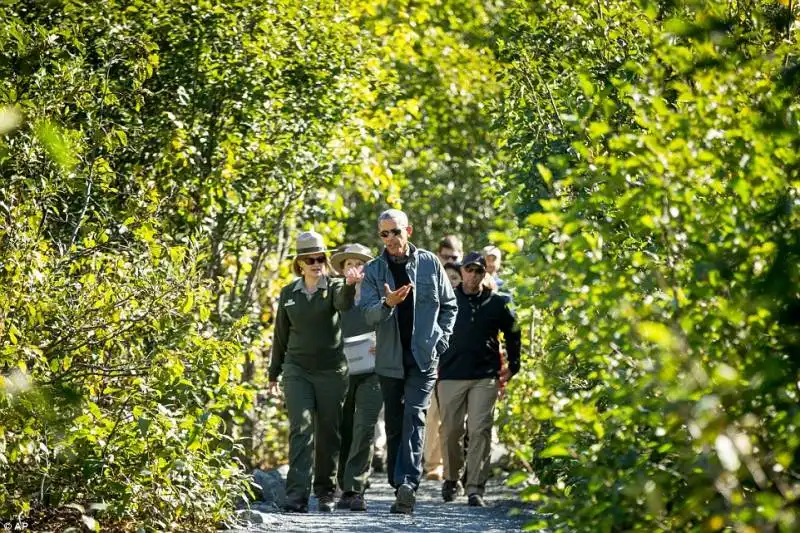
column 638, row 161
column 655, row 156
column 157, row 160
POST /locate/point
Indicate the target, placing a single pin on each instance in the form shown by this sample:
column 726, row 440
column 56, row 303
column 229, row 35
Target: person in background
column 379, row 445
column 453, row 271
column 449, row 251
column 364, row 400
column 308, row 351
column 494, row 258
column 470, row 376
column 406, row 295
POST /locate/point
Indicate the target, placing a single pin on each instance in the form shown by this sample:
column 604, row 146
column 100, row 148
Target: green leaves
column 646, row 259
column 637, row 161
column 10, row 119
column 554, row 451
column 58, row 144
column 658, row 334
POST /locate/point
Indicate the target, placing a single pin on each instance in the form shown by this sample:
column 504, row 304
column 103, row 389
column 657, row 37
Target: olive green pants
column 361, row 409
column 314, row 402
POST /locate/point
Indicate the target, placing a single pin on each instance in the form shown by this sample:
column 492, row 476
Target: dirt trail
column 432, row 515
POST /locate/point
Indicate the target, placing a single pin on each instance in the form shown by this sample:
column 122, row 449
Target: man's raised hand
column 395, row 297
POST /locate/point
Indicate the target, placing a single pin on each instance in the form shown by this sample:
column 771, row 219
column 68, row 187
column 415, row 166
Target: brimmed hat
column 350, row 251
column 492, row 250
column 309, row 242
column 474, row 258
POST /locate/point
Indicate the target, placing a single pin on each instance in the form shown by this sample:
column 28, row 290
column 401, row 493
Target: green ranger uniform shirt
column 308, row 326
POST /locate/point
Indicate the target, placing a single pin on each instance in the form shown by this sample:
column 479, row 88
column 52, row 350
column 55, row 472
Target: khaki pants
column 473, row 399
column 432, row 453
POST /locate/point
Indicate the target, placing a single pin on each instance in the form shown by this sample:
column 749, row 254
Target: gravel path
column 431, row 515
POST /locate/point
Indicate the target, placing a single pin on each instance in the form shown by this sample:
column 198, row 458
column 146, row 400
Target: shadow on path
column 432, row 515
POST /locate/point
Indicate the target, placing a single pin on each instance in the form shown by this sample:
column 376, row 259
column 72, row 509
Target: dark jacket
column 474, row 351
column 308, row 332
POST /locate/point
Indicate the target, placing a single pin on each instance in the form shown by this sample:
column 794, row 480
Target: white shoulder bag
column 357, row 350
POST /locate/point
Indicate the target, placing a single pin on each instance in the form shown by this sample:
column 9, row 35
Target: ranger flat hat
column 309, row 242
column 350, row 251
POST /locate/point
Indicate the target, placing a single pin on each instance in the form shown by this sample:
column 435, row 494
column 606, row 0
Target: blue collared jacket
column 435, row 311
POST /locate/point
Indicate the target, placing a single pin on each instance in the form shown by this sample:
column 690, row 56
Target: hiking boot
column 476, row 500
column 357, row 503
column 451, row 489
column 295, row 507
column 325, row 504
column 404, row 501
column 346, row 500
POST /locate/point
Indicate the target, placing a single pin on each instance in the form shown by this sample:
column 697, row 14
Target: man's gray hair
column 400, row 218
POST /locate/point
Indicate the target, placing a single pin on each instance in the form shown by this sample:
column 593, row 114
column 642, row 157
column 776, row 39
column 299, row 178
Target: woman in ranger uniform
column 364, row 398
column 308, row 350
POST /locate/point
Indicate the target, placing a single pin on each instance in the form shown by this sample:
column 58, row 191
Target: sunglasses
column 475, row 270
column 394, row 231
column 311, row 260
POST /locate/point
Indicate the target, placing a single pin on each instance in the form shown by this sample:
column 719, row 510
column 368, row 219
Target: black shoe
column 451, row 489
column 476, row 500
column 295, row 507
column 357, row 503
column 345, row 501
column 325, row 504
column 405, row 500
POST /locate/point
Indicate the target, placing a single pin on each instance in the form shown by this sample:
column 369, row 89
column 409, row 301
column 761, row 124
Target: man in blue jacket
column 408, row 298
column 471, row 373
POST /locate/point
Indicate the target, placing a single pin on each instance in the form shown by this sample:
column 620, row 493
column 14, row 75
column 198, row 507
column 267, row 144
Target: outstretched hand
column 394, row 298
column 354, row 275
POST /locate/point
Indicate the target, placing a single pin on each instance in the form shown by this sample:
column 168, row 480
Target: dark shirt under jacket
column 405, row 309
column 474, row 351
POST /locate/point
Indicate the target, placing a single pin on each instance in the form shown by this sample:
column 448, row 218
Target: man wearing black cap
column 470, row 376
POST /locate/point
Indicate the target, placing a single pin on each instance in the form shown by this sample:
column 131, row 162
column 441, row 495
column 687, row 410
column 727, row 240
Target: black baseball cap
column 474, row 258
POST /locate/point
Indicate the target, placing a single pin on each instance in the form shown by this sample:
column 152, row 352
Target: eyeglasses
column 321, row 259
column 475, row 270
column 394, row 231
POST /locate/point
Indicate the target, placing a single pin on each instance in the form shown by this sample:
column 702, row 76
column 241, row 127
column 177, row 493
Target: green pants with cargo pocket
column 314, row 402
column 362, row 407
